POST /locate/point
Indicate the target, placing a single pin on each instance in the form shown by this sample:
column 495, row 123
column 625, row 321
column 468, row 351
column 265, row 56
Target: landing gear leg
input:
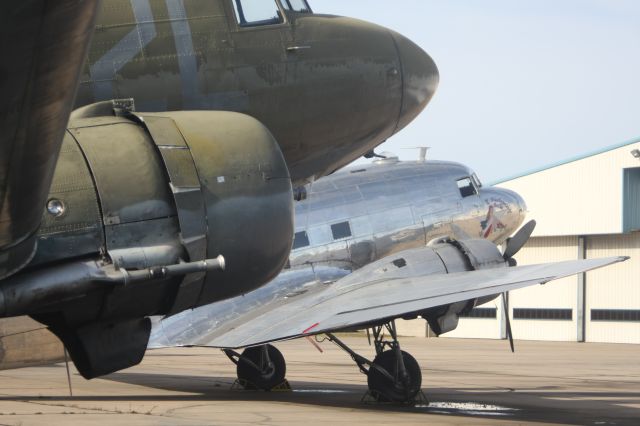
column 394, row 375
column 259, row 367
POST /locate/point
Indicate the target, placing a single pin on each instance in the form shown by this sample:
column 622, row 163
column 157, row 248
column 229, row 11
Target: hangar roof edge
column 566, row 161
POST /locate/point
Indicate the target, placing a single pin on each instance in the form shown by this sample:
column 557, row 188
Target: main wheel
column 269, row 372
column 399, row 389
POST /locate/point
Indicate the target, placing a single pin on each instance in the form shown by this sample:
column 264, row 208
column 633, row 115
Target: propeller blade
column 515, row 243
column 508, row 321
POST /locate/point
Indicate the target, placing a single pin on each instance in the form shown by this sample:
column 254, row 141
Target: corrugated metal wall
column 559, row 294
column 598, row 198
column 614, row 288
column 480, row 328
column 583, row 197
column 413, row 328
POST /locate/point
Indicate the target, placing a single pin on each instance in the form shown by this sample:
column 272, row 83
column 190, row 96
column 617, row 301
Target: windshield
column 296, row 5
column 476, row 180
column 257, row 12
column 467, row 187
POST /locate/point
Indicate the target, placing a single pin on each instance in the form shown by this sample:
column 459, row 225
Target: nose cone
column 515, row 201
column 516, row 207
column 506, row 211
column 420, row 79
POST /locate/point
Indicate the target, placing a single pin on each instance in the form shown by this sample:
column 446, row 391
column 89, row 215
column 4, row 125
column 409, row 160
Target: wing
column 371, row 294
column 43, row 50
column 27, row 343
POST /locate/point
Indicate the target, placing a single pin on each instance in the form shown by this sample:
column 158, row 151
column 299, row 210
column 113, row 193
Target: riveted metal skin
column 158, row 189
column 373, row 200
column 329, row 88
column 393, row 210
column 189, row 200
column 248, row 197
column 79, row 231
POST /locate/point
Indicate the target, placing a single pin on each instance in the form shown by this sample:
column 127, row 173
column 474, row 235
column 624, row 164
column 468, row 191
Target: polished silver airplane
column 375, row 243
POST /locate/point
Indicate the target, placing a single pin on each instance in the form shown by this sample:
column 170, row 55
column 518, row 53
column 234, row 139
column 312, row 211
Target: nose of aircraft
column 518, row 207
column 518, row 201
column 508, row 207
column 420, row 78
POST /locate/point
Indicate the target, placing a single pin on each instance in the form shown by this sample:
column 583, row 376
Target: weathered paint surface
column 329, row 88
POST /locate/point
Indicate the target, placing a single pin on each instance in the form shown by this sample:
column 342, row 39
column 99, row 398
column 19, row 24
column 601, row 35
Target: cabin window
column 257, row 12
column 466, row 187
column 297, row 5
column 341, row 230
column 301, row 239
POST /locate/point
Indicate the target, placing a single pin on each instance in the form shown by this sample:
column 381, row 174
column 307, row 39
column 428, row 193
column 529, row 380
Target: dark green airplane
column 170, row 184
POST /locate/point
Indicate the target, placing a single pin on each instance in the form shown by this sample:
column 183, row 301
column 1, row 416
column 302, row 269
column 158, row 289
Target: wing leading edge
column 340, row 307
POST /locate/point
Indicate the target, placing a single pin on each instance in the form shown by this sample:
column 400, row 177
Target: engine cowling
column 461, row 256
column 180, row 186
column 446, row 257
column 137, row 200
column 247, row 194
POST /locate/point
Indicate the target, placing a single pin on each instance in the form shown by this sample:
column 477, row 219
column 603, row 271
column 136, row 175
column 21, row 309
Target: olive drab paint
column 329, row 88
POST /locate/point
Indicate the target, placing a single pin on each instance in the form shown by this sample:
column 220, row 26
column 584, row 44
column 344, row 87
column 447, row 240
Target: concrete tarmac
column 478, row 382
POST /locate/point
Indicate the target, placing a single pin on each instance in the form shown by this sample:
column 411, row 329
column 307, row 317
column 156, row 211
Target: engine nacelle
column 460, row 256
column 139, row 207
column 146, row 190
column 247, row 194
column 439, row 258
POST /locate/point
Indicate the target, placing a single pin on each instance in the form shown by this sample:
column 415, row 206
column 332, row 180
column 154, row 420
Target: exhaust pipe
column 36, row 291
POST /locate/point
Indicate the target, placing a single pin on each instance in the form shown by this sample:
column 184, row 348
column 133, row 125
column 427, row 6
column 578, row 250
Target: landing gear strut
column 259, row 367
column 394, row 375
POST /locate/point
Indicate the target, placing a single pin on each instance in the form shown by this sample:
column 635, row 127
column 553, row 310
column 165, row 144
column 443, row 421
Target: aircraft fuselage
column 329, row 88
column 351, row 219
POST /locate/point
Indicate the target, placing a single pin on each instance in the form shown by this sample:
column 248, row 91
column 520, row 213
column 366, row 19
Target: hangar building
column 586, row 207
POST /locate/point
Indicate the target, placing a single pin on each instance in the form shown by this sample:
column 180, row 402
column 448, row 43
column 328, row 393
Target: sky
column 523, row 83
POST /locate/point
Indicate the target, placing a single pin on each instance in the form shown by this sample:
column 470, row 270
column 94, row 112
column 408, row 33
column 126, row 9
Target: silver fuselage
column 352, row 218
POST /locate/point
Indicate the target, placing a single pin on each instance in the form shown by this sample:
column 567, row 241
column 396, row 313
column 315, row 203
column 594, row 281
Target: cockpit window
column 467, row 187
column 257, row 12
column 297, row 5
column 476, row 180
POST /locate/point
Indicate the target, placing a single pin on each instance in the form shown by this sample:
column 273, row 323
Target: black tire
column 266, row 379
column 395, row 390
